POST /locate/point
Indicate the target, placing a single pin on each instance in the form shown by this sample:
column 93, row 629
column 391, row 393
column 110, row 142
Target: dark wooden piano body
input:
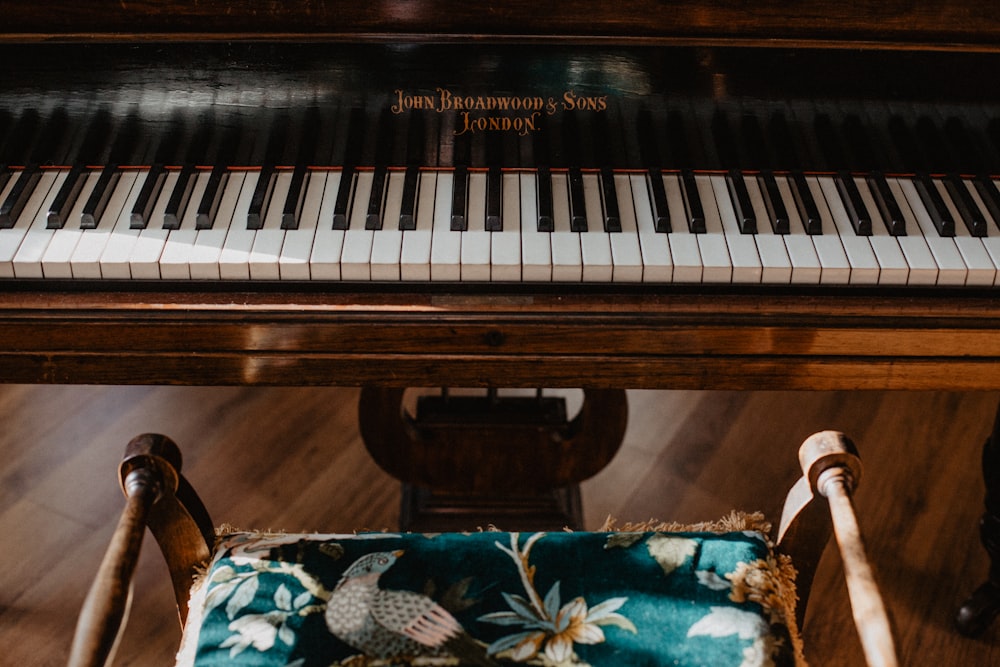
column 652, row 336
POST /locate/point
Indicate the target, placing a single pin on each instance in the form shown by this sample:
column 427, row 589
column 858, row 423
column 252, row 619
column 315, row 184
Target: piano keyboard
column 517, row 225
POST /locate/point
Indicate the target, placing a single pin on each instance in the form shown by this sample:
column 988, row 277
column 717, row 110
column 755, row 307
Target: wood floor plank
column 291, row 459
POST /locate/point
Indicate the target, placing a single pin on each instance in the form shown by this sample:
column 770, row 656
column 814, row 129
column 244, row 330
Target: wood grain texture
column 292, row 459
column 642, row 339
column 836, row 23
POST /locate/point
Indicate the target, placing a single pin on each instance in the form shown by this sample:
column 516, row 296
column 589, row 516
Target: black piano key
column 376, row 199
column 416, row 138
column 775, row 205
column 652, row 158
column 293, row 200
column 381, row 155
column 97, row 202
column 887, row 205
column 608, row 153
column 13, row 204
column 695, row 212
column 543, row 177
column 209, row 204
column 341, row 207
column 857, row 212
column 494, row 188
column 348, row 153
column 577, row 201
column 150, row 190
column 990, row 196
column 179, row 198
column 805, row 203
column 546, row 220
column 459, row 199
column 261, row 197
column 934, row 203
column 658, row 198
column 407, row 209
column 745, row 218
column 58, row 214
column 965, row 205
column 609, row 196
column 123, row 151
column 94, row 144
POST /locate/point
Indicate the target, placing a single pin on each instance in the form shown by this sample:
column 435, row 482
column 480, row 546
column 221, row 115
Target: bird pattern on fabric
column 394, row 624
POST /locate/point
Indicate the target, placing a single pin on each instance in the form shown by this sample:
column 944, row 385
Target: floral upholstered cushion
column 491, row 598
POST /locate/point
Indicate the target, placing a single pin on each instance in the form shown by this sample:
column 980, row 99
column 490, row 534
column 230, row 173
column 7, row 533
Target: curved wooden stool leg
column 983, row 605
column 467, row 461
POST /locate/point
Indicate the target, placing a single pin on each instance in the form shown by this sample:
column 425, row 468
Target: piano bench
column 651, row 594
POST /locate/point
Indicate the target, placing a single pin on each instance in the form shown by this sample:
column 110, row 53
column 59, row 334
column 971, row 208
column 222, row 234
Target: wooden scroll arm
column 831, row 468
column 159, row 497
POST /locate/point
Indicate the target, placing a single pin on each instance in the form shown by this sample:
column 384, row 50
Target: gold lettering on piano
column 496, row 113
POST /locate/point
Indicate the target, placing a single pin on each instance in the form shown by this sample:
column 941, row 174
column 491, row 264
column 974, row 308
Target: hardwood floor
column 291, row 459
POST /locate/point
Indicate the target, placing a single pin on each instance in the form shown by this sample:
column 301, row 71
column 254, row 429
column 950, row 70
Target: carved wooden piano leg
column 468, row 461
column 983, row 605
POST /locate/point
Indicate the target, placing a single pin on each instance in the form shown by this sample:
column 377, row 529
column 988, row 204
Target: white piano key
column 206, row 253
column 717, row 266
column 446, row 245
column 951, row 266
column 657, row 265
column 982, row 269
column 415, row 257
column 476, row 240
column 234, row 260
column 328, row 244
column 387, row 245
column 816, row 258
column 684, row 249
column 505, row 245
column 27, row 261
column 893, row 268
column 114, row 258
column 864, row 265
column 625, row 251
column 175, row 262
column 59, row 252
column 144, row 262
column 536, row 246
column 355, row 260
column 270, row 237
column 567, row 255
column 992, row 241
column 742, row 247
column 776, row 267
column 293, row 262
column 923, row 269
column 595, row 245
column 86, row 260
column 12, row 237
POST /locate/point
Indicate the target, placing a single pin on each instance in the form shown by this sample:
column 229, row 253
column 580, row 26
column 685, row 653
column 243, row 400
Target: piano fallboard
column 694, row 339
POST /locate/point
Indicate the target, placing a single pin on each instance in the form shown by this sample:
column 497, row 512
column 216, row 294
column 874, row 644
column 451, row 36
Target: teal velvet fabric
column 487, row 598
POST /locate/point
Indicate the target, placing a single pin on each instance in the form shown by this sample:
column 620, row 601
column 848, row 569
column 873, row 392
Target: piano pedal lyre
column 468, row 461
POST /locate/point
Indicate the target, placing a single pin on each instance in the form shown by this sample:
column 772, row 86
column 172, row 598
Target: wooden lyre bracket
column 468, row 460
